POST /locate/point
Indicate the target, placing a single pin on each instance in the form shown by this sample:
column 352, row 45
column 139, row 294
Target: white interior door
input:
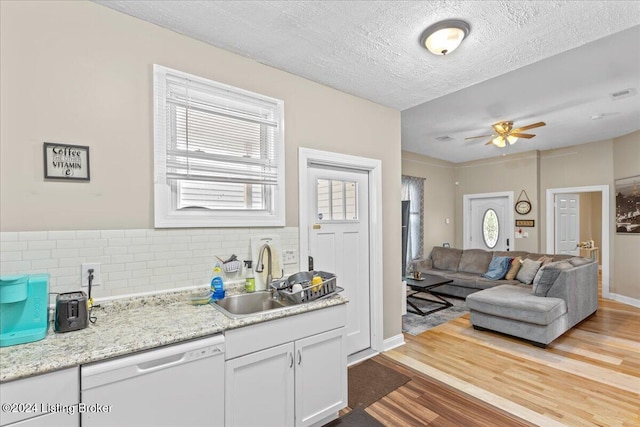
column 488, row 223
column 567, row 224
column 339, row 241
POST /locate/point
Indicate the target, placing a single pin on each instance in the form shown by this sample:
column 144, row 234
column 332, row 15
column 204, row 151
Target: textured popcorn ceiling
column 371, row 49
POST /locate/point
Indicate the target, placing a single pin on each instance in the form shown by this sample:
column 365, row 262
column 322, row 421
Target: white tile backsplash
column 131, row 261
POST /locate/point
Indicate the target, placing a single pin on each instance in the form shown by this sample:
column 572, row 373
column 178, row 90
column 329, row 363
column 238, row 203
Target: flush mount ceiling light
column 444, row 37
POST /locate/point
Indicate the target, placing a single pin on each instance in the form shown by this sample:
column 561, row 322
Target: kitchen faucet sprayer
column 260, row 266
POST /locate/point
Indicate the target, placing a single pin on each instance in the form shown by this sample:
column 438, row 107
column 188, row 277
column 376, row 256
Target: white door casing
column 308, row 157
column 341, row 246
column 567, row 224
column 475, row 207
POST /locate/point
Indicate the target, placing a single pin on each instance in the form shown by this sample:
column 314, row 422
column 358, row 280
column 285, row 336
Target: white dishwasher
column 177, row 385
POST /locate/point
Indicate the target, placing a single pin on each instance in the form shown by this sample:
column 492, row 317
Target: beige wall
column 439, row 194
column 626, row 163
column 513, row 173
column 78, row 73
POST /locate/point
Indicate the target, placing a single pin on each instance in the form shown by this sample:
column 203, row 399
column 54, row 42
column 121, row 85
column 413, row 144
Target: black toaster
column 71, row 312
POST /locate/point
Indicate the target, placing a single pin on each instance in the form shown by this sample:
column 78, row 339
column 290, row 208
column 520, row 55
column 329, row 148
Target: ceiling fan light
column 499, row 141
column 512, row 139
column 444, row 37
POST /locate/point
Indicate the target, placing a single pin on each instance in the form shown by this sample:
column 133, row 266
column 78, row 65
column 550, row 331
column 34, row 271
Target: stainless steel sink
column 243, row 305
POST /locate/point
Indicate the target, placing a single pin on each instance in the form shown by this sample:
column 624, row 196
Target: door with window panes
column 339, row 242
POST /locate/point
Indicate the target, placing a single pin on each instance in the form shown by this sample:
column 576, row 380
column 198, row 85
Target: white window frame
column 165, row 213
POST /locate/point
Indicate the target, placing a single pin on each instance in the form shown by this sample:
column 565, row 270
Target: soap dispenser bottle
column 217, row 284
column 250, row 280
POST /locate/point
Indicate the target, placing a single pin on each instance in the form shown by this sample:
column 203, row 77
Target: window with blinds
column 218, row 153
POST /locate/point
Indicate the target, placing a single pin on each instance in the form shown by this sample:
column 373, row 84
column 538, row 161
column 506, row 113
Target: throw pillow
column 498, row 267
column 515, row 267
column 548, row 277
column 545, row 261
column 528, row 271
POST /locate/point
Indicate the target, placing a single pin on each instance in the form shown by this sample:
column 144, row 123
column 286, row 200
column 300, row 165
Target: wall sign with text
column 525, row 223
column 63, row 161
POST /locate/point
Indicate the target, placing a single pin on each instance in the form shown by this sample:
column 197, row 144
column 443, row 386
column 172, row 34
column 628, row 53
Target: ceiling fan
column 506, row 133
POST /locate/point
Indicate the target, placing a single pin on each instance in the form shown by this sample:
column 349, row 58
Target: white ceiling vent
column 623, row 94
column 444, row 138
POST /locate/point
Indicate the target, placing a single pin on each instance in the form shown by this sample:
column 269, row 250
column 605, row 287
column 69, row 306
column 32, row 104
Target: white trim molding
column 393, row 342
column 605, row 244
column 373, row 167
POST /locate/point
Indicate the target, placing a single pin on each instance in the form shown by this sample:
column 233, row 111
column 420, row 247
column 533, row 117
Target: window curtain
column 413, row 191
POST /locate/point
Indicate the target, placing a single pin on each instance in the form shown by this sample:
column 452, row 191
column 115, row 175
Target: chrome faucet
column 260, row 267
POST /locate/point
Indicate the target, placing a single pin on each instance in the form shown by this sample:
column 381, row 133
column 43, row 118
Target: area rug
column 356, row 418
column 370, row 381
column 415, row 324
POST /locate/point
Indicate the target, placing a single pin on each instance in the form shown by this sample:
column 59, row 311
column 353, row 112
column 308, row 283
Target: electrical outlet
column 289, row 257
column 84, row 274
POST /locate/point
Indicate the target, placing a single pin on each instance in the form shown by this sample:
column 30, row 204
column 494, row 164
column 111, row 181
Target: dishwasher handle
column 102, row 373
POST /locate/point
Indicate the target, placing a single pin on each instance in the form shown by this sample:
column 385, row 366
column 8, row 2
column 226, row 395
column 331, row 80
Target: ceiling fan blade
column 480, row 136
column 531, row 126
column 522, row 135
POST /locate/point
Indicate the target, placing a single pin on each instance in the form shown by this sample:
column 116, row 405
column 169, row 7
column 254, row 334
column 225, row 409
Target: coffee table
column 428, row 282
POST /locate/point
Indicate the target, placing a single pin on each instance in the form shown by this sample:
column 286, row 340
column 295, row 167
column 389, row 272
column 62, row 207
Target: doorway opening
column 604, row 227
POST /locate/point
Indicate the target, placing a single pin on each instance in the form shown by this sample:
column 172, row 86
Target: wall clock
column 523, row 206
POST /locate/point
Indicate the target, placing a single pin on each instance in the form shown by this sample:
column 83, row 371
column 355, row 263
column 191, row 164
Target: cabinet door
column 321, row 376
column 259, row 388
column 56, row 392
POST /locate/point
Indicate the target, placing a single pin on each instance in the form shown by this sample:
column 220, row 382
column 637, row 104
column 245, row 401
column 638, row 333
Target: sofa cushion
column 446, row 258
column 517, row 303
column 474, row 261
column 578, row 261
column 465, row 280
column 528, row 271
column 498, row 268
column 436, row 272
column 550, row 273
column 486, row 283
column 516, row 264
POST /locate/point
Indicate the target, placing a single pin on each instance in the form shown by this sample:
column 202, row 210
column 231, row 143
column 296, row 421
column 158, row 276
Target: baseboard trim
column 393, row 342
column 624, row 299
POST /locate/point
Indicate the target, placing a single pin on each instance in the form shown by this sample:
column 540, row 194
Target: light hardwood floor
column 588, row 377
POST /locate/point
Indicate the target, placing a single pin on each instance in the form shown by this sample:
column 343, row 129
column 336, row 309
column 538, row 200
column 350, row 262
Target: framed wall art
column 67, row 162
column 628, row 205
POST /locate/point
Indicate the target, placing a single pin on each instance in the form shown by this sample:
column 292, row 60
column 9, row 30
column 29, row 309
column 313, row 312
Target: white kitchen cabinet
column 287, row 372
column 320, row 376
column 48, row 399
column 259, row 388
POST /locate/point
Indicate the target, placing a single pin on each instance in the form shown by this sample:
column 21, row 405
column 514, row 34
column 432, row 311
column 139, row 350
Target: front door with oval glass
column 489, row 224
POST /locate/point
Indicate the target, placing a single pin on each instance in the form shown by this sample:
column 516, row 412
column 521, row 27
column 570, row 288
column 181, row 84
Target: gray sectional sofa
column 564, row 293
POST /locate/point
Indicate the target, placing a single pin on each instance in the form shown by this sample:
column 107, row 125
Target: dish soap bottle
column 250, row 280
column 217, row 284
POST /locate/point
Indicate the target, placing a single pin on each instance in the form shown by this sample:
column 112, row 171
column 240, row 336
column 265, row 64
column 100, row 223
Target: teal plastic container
column 24, row 303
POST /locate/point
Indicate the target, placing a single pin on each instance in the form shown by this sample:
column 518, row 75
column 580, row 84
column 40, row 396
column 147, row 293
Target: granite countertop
column 129, row 325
